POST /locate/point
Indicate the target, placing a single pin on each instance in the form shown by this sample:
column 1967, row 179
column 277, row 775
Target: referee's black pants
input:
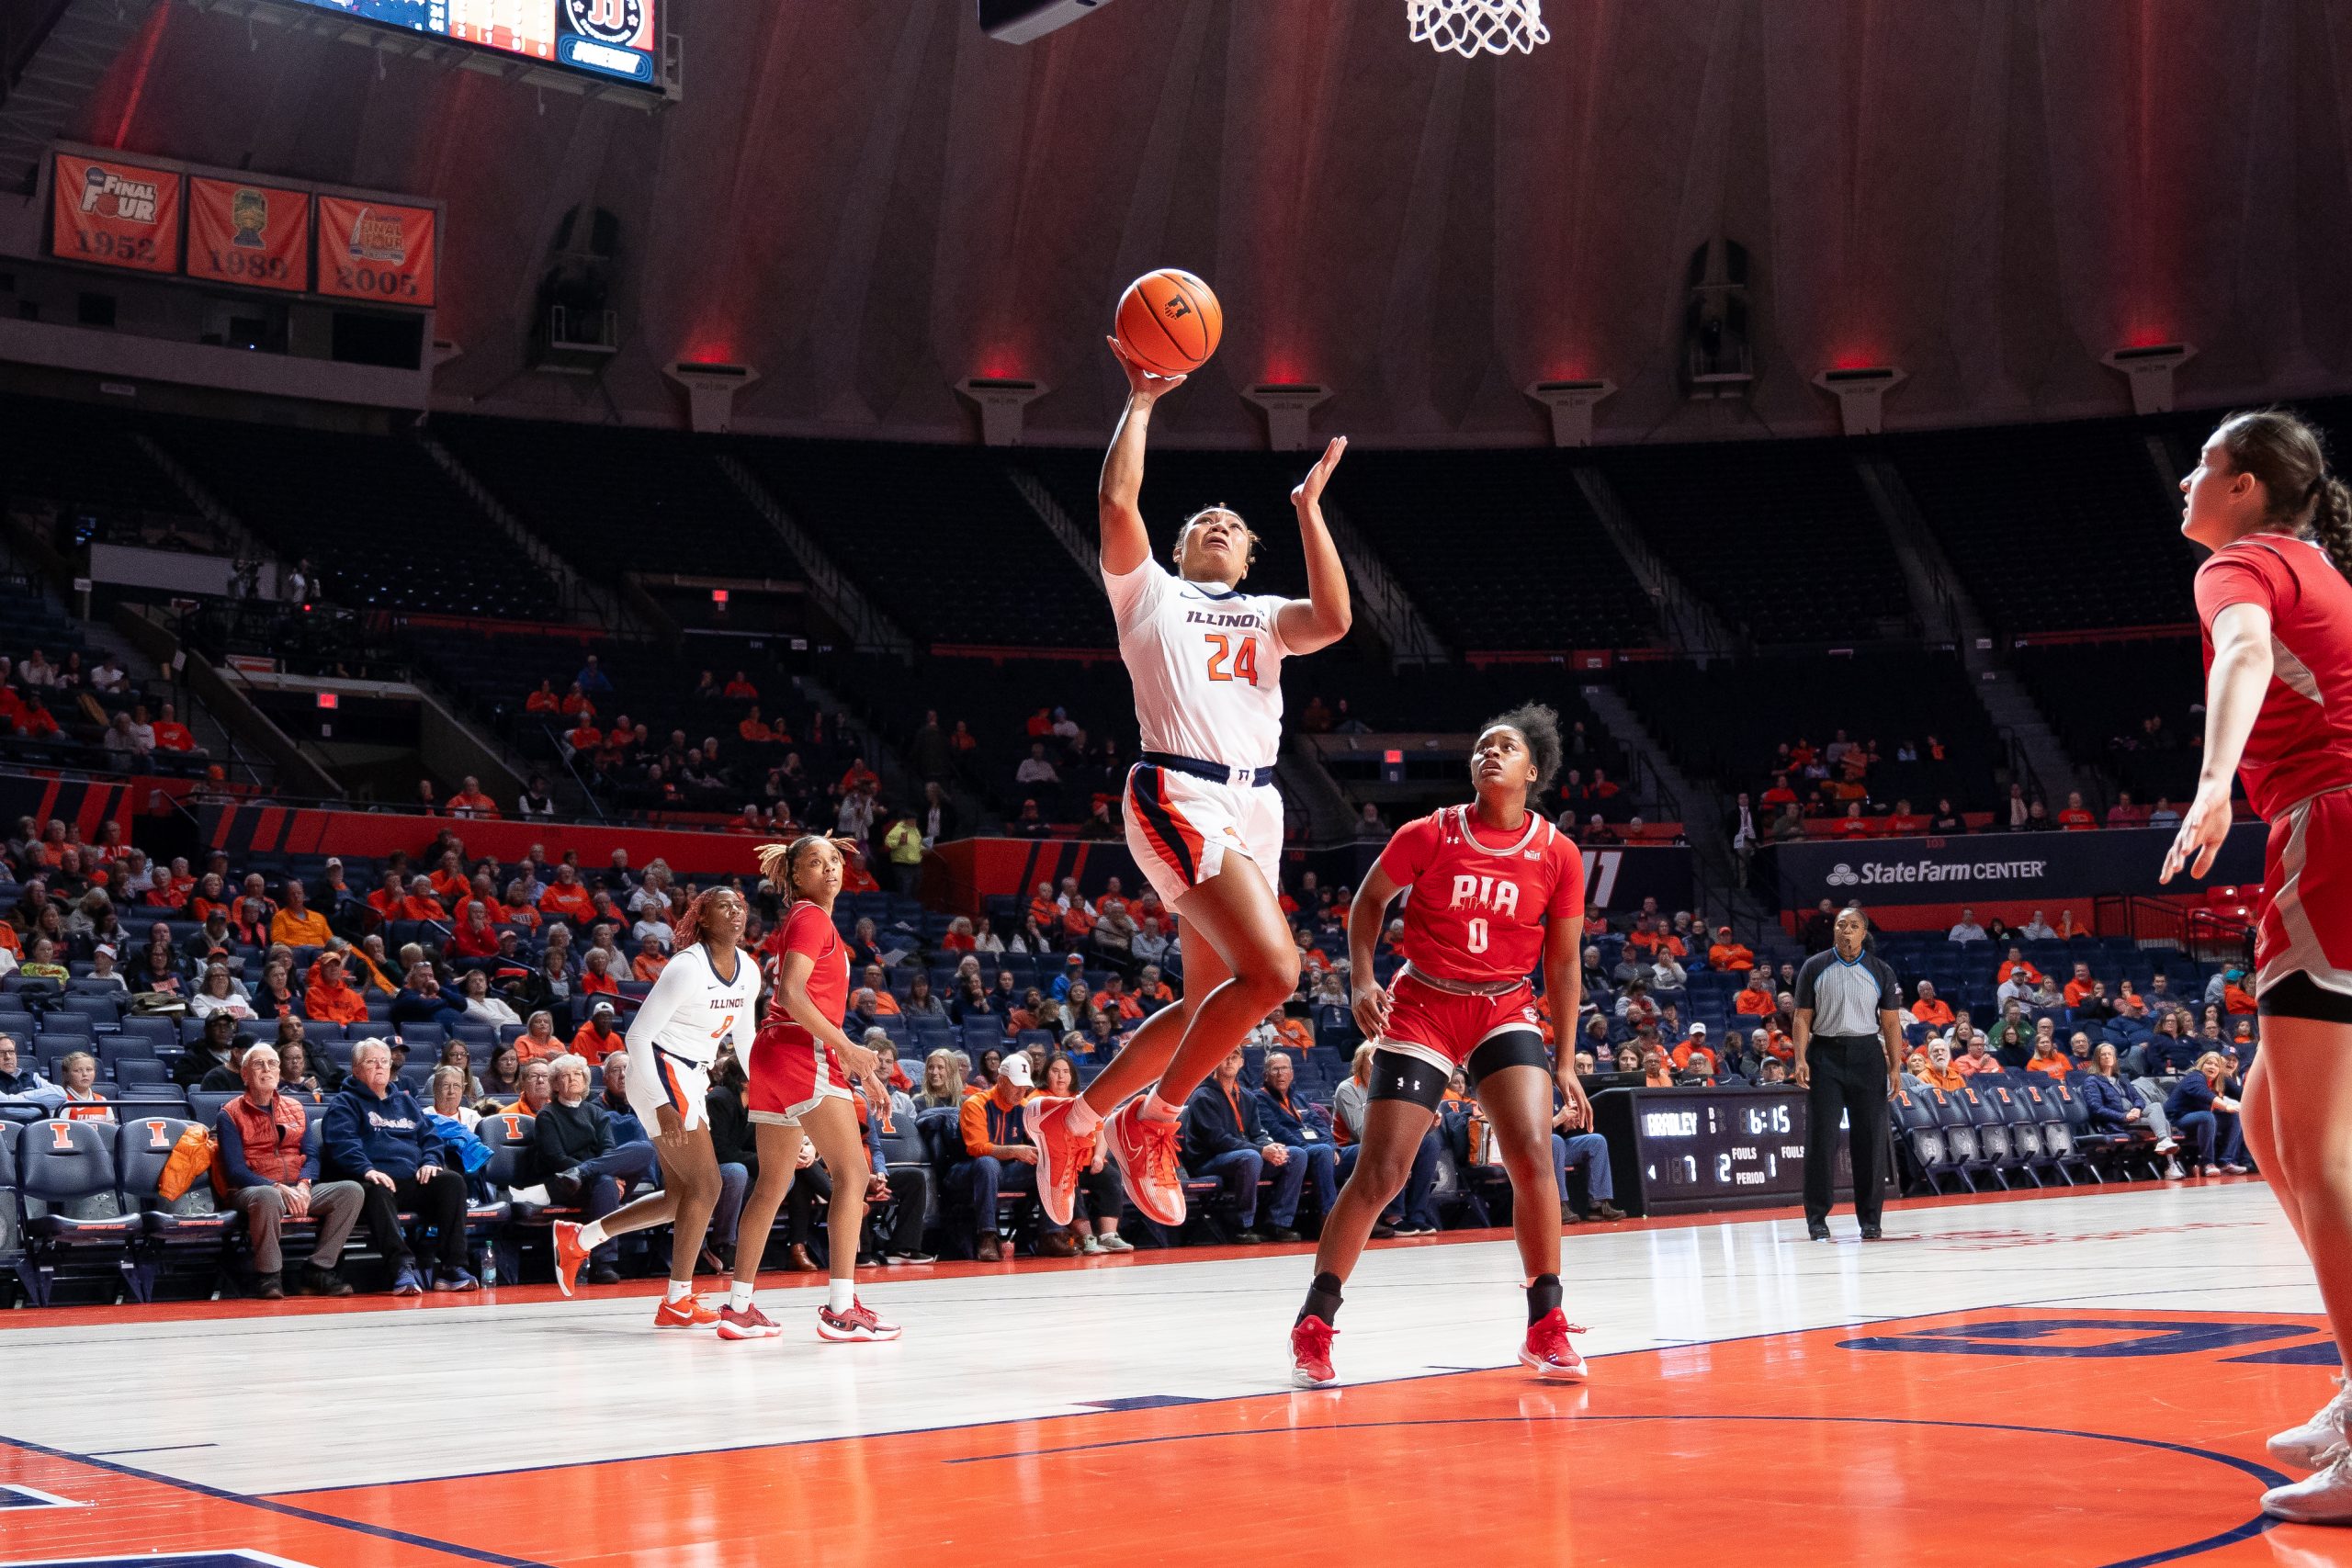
column 1849, row 1076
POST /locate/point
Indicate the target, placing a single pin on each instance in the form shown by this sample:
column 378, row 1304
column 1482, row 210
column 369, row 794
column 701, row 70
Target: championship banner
column 251, row 234
column 1988, row 869
column 114, row 214
column 373, row 250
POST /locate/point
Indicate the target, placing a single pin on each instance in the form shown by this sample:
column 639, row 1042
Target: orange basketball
column 1170, row 321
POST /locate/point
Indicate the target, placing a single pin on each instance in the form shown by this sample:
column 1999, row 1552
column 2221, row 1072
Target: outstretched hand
column 1310, row 489
column 1142, row 381
column 2204, row 828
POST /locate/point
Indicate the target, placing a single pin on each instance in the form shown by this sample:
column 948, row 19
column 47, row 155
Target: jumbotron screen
column 611, row 39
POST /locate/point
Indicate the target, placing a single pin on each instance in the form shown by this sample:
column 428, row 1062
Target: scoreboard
column 1683, row 1150
column 612, row 41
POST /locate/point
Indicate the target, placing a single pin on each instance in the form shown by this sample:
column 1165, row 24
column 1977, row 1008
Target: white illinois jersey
column 1206, row 662
column 692, row 1008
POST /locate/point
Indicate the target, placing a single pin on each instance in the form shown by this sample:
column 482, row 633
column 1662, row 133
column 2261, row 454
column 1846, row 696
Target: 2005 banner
column 374, row 250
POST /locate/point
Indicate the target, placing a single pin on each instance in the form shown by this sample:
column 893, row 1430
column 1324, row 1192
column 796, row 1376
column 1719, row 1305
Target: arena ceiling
column 867, row 200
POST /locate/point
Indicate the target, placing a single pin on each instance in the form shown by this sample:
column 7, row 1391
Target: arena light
column 710, row 393
column 1001, row 400
column 1020, row 21
column 1571, row 403
column 1862, row 391
column 1286, row 405
column 2149, row 366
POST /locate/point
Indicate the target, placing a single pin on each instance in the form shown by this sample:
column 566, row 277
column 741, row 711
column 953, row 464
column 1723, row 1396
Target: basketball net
column 1470, row 27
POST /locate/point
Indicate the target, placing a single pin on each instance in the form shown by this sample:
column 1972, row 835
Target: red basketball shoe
column 1310, row 1353
column 1146, row 1153
column 1061, row 1154
column 749, row 1324
column 1548, row 1351
column 570, row 1256
column 860, row 1323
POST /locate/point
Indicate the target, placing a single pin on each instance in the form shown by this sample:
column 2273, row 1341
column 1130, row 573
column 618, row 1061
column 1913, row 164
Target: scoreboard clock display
column 613, row 41
column 1683, row 1150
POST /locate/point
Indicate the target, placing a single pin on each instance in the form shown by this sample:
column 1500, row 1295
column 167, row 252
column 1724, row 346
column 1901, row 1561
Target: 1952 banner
column 252, row 234
column 116, row 214
column 374, row 250
column 1985, row 868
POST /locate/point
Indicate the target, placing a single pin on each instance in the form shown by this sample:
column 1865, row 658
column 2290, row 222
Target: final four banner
column 115, row 213
column 376, row 249
column 1988, row 868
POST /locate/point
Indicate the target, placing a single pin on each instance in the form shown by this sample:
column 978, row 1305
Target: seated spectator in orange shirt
column 2075, row 817
column 566, row 898
column 1294, row 1032
column 650, row 962
column 2016, row 960
column 386, row 900
column 1940, row 1073
column 2236, row 998
column 449, row 878
column 470, row 801
column 419, row 904
column 1756, row 1000
column 597, row 979
column 480, row 891
column 329, row 996
column 754, row 729
column 575, row 701
column 1043, row 909
column 538, row 1041
column 171, row 889
column 585, row 736
column 741, row 688
column 597, row 1038
column 872, row 979
column 858, row 775
column 1976, row 1057
column 1854, row 825
column 1729, row 957
column 1904, row 821
column 1772, row 1045
column 2047, row 1058
column 298, row 925
column 1930, row 1009
column 1694, row 1050
column 544, row 700
column 475, row 937
column 2079, row 986
column 38, row 723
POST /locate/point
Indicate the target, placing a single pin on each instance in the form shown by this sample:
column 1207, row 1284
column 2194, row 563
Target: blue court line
column 2251, row 1527
column 158, row 1448
column 382, row 1532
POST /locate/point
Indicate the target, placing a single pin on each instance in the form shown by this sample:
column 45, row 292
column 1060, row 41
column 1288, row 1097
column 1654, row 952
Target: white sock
column 1158, row 1109
column 1083, row 1119
column 841, row 1295
column 681, row 1289
column 739, row 1294
column 591, row 1234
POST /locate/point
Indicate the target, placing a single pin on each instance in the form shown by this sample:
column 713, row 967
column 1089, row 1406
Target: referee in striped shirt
column 1850, row 1060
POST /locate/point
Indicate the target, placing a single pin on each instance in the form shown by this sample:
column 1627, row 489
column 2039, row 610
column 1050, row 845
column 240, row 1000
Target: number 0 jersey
column 1207, row 665
column 692, row 1008
column 1475, row 909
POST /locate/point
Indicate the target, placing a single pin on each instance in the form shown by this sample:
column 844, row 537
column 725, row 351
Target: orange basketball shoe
column 570, row 1256
column 1145, row 1151
column 686, row 1312
column 1061, row 1154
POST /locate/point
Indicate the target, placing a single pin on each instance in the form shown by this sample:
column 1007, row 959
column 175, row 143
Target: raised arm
column 1324, row 617
column 1119, row 495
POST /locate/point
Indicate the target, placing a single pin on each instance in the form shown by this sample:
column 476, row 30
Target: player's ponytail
column 2331, row 521
column 2284, row 452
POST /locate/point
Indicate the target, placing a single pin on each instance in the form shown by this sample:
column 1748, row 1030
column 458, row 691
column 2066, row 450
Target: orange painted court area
column 2019, row 1436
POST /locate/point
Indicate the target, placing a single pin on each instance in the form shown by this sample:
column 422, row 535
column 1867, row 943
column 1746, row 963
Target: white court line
column 371, row 1397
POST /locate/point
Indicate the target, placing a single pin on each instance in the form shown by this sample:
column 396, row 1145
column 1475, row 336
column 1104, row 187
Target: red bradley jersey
column 1476, row 909
column 807, row 929
column 2301, row 744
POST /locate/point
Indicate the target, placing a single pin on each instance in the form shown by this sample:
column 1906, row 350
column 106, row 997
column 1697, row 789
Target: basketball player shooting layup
column 1204, row 819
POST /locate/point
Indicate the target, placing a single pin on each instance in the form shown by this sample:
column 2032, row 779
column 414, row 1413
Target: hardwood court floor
column 2083, row 1378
